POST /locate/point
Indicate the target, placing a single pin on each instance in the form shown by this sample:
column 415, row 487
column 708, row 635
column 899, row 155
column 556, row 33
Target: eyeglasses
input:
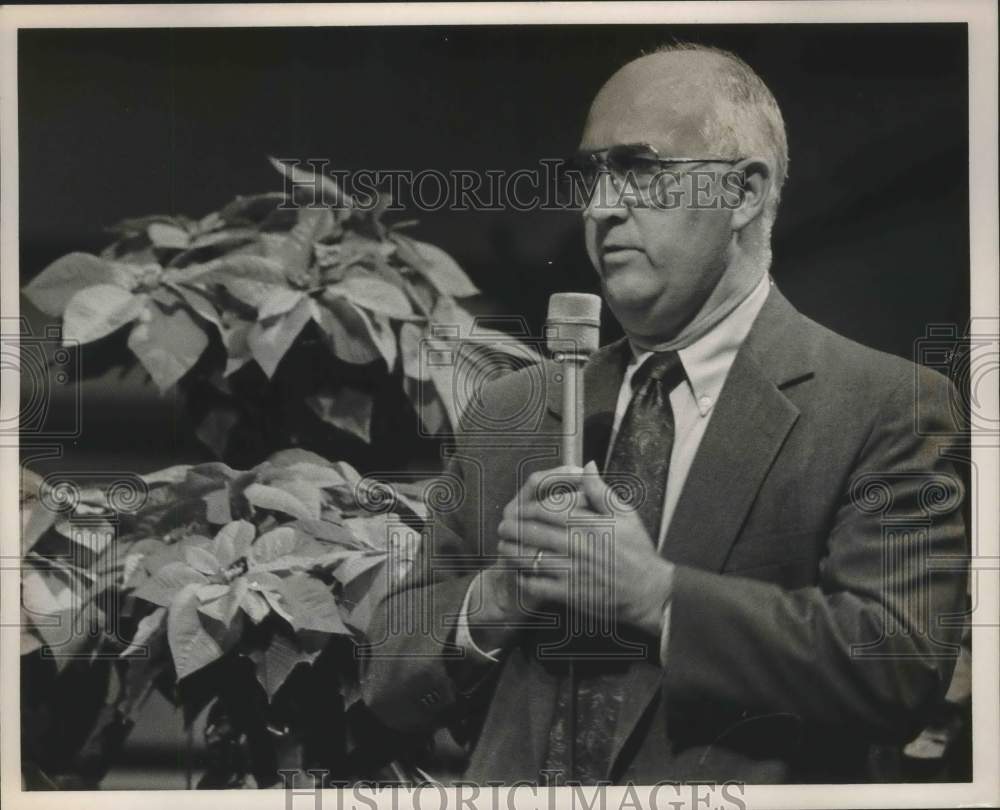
column 633, row 167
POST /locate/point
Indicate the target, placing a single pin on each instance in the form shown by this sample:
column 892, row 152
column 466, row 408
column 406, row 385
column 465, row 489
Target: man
column 770, row 616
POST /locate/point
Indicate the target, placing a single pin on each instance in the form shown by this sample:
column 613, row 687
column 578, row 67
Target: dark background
column 871, row 240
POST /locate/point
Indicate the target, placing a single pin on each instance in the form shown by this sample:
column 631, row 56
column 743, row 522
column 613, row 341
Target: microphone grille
column 574, row 323
column 581, row 308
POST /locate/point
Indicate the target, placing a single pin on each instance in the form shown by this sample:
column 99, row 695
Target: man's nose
column 606, row 201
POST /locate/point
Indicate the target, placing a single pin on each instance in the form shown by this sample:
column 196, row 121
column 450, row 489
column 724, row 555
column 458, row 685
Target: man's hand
column 613, row 571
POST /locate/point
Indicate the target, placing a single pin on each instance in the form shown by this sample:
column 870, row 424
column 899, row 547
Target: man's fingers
column 595, row 490
column 561, row 505
column 536, row 535
column 542, row 480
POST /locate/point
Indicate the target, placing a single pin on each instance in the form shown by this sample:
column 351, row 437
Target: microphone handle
column 572, row 454
column 572, row 396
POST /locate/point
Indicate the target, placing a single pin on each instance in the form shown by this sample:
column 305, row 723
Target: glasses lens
column 632, row 164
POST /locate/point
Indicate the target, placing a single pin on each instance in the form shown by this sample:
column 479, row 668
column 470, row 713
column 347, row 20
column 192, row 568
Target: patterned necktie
column 639, row 461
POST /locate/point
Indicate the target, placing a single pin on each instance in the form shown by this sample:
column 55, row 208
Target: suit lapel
column 747, row 428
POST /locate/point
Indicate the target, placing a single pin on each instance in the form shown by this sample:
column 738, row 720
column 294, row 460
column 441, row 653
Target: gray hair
column 747, row 120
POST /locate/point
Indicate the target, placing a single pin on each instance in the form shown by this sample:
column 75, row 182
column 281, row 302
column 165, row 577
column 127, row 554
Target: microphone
column 572, row 334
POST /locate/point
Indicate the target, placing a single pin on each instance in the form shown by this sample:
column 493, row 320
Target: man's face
column 657, row 264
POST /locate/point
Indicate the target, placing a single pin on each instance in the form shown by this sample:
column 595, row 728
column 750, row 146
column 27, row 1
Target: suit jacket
column 819, row 549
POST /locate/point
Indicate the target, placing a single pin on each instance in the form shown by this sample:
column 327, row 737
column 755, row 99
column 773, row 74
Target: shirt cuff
column 665, row 635
column 463, row 634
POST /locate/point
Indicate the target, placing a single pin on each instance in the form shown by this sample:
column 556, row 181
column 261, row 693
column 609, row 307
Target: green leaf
column 321, row 475
column 372, row 293
column 263, row 496
column 296, row 251
column 225, row 608
column 270, row 343
column 51, row 290
column 349, row 330
column 326, row 531
column 347, row 408
column 254, row 605
column 148, row 625
column 274, row 544
column 97, row 311
column 410, row 343
column 356, row 564
column 327, row 191
column 282, row 300
column 233, row 541
column 202, row 560
column 168, row 344
column 168, row 581
column 251, row 279
column 191, row 646
column 163, row 235
column 435, row 265
column 312, row 605
column 215, row 428
column 305, row 492
column 275, row 663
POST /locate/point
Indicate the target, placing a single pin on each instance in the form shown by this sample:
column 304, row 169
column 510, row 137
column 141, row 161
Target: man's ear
column 752, row 179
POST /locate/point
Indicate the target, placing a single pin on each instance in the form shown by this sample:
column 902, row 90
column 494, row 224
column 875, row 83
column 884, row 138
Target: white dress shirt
column 706, row 363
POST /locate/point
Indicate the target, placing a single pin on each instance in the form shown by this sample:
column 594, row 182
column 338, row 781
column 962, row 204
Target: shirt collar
column 708, row 359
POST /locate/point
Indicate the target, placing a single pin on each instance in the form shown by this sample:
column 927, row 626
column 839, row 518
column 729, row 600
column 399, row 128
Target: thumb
column 595, row 489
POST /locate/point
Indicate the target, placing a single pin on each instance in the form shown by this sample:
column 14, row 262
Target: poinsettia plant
column 277, row 319
column 214, row 586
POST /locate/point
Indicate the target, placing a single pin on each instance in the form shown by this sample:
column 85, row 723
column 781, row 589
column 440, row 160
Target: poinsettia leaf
column 218, row 509
column 234, row 338
column 263, row 496
column 296, row 252
column 100, row 310
column 355, row 564
column 250, row 279
column 254, row 605
column 191, row 646
column 168, row 581
column 270, row 343
column 372, row 293
column 148, row 625
column 212, row 591
column 435, row 265
column 36, row 520
column 276, row 603
column 322, row 475
column 199, row 302
column 326, row 532
column 280, row 301
column 327, row 191
column 306, row 492
column 262, row 580
column 411, row 338
column 168, row 344
column 312, row 605
column 215, row 428
column 51, row 290
column 202, row 560
column 349, row 330
column 275, row 662
column 273, row 544
column 163, row 235
column 227, row 605
column 233, row 541
column 169, row 475
column 347, row 408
